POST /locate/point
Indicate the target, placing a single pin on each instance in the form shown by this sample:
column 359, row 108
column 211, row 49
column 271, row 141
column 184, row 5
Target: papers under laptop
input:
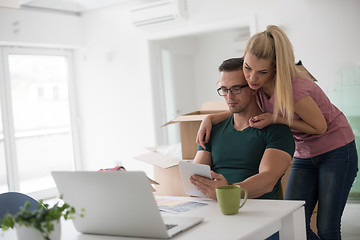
column 117, row 203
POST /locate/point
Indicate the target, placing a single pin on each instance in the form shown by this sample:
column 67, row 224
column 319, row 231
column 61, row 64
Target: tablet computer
column 188, row 169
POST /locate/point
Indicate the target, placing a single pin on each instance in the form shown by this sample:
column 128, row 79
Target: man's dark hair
column 232, row 64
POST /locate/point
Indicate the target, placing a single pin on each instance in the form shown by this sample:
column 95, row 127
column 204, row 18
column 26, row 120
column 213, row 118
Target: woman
column 325, row 161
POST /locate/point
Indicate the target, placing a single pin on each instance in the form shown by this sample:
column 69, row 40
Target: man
column 255, row 159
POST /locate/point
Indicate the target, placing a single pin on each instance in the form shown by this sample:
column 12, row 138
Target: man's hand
column 208, row 186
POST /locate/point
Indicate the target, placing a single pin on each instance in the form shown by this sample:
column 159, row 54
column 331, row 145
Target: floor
column 351, row 222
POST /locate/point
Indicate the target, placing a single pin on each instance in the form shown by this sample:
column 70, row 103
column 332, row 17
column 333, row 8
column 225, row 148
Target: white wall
column 325, row 35
column 114, row 84
column 213, row 48
column 114, row 90
column 193, row 63
column 182, row 51
column 195, row 60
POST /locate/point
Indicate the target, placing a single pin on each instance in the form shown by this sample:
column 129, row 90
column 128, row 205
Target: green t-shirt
column 237, row 154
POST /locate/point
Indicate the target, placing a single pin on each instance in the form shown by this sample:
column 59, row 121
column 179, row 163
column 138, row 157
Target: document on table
column 175, row 205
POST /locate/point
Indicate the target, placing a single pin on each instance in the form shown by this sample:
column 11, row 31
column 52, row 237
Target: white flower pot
column 30, row 233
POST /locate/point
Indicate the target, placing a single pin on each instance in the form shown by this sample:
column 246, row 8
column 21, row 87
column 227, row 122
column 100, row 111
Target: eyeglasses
column 223, row 91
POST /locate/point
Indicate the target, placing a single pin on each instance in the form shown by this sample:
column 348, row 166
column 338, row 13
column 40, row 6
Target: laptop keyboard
column 170, row 226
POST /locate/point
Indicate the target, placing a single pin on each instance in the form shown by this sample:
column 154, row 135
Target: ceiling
column 76, row 6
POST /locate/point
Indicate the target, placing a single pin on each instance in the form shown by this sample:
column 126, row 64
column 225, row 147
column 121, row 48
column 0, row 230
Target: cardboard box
column 166, row 170
column 166, row 173
column 190, row 123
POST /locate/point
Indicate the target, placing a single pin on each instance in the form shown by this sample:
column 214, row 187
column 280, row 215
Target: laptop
column 117, row 203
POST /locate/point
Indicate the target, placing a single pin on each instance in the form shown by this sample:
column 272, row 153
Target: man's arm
column 273, row 165
column 203, row 157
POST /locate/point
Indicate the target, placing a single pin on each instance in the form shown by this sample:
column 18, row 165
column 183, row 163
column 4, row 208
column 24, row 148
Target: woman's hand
column 204, row 131
column 261, row 121
column 203, row 134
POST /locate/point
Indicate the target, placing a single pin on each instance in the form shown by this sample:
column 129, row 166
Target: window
column 344, row 93
column 38, row 108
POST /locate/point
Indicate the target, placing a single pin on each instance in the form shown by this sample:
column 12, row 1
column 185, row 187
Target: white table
column 258, row 219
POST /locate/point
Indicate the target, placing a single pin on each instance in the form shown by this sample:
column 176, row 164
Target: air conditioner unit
column 162, row 11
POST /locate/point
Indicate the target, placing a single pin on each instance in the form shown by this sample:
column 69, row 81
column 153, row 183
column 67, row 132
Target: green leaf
column 41, row 219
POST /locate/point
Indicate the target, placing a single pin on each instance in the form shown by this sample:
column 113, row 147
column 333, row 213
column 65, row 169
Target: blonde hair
column 274, row 44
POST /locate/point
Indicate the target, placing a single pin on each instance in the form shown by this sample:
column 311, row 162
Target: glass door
column 344, row 93
column 3, row 175
column 39, row 126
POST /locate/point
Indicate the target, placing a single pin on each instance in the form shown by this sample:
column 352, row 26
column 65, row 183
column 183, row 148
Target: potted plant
column 44, row 222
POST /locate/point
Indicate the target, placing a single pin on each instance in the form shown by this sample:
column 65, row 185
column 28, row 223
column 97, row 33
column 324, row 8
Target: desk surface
column 258, row 219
